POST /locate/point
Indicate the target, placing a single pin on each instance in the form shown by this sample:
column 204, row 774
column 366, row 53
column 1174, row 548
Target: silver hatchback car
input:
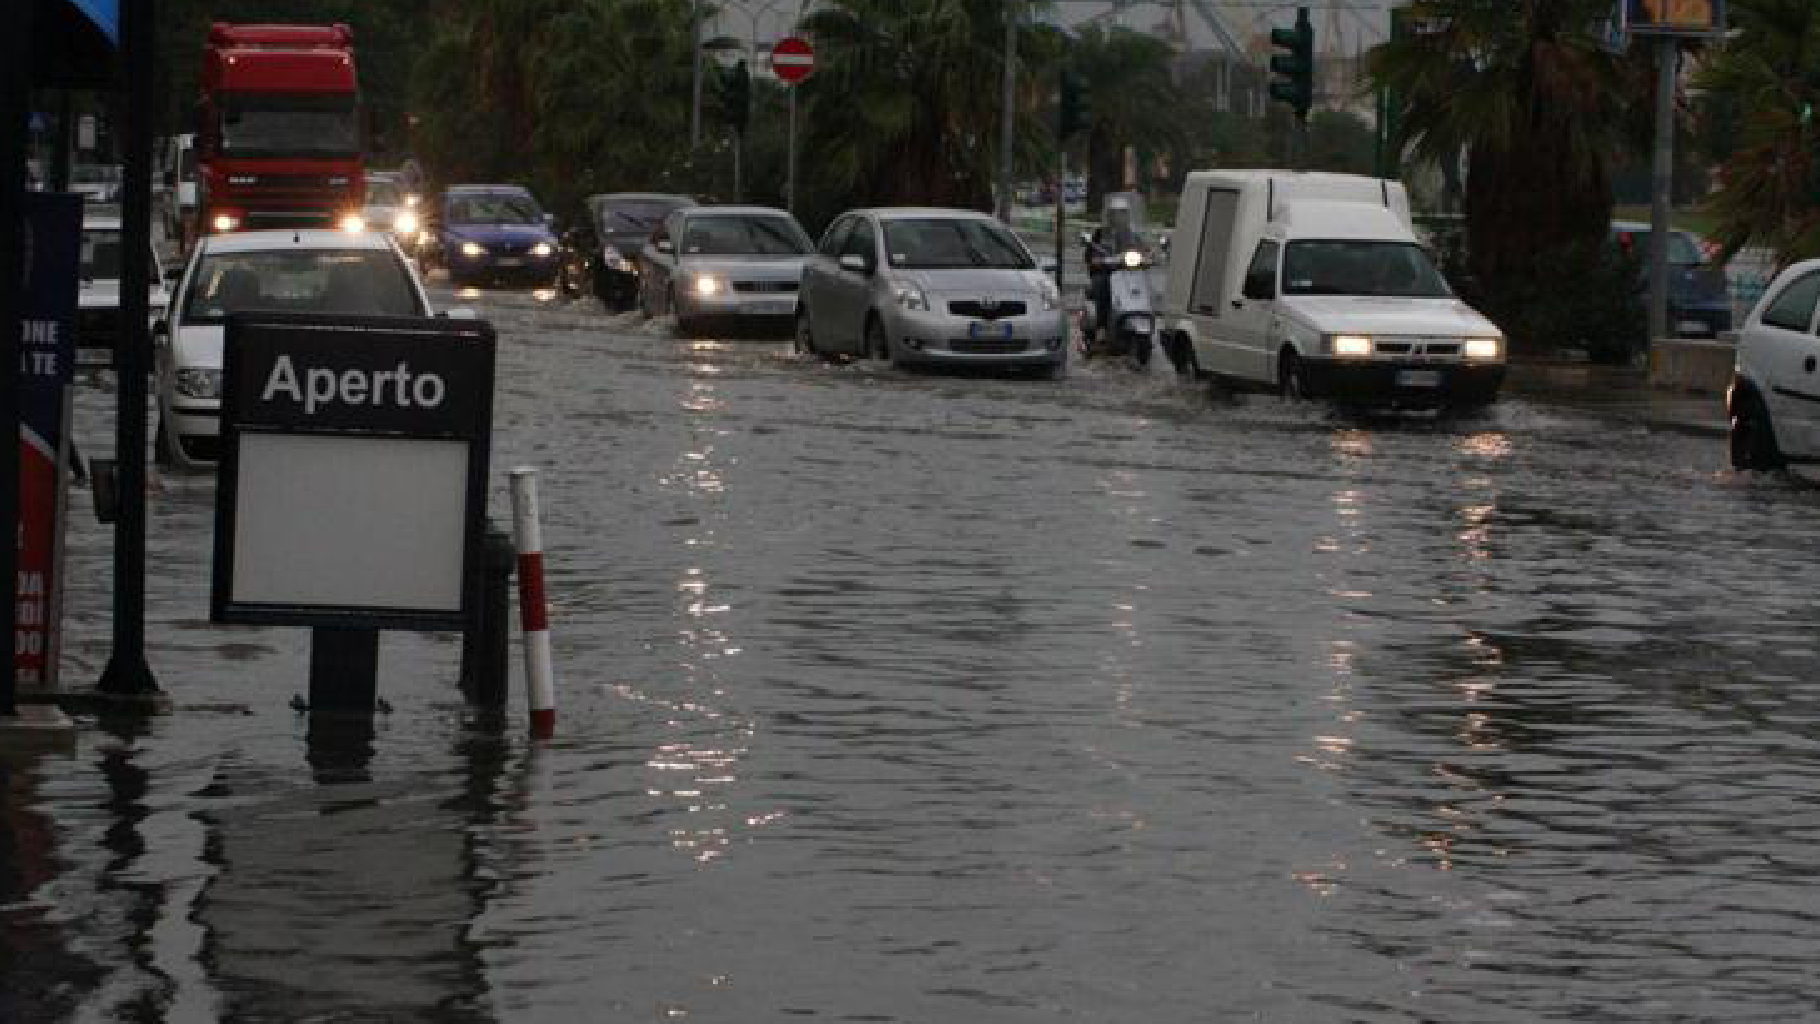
column 926, row 286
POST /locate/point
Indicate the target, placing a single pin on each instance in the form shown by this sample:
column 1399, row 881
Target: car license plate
column 989, row 331
column 767, row 308
column 1418, row 378
column 511, row 261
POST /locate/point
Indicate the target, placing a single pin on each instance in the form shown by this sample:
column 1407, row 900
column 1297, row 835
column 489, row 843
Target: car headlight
column 1133, row 258
column 707, row 284
column 542, row 249
column 614, row 259
column 405, row 222
column 225, row 222
column 910, row 296
column 1052, row 296
column 472, row 249
column 199, row 383
column 1349, row 345
column 353, row 223
column 1484, row 348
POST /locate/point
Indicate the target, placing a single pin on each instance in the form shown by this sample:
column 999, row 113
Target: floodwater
column 900, row 697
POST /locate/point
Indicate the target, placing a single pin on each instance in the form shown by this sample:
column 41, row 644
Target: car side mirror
column 664, row 245
column 1048, row 265
column 855, row 262
column 1260, row 286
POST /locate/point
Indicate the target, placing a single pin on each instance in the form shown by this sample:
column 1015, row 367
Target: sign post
column 792, row 61
column 352, row 495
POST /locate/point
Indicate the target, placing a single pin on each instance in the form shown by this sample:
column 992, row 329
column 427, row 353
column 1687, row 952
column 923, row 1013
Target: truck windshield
column 1361, row 267
column 949, row 243
column 275, row 124
column 319, row 281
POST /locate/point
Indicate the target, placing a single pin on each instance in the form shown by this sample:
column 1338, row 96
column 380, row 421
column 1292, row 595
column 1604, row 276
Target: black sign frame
column 468, row 359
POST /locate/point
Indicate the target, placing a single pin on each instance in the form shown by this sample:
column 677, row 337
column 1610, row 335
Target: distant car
column 1774, row 400
column 312, row 271
column 1699, row 302
column 601, row 252
column 97, row 183
column 930, row 286
column 390, row 208
column 487, row 233
column 98, row 298
column 734, row 265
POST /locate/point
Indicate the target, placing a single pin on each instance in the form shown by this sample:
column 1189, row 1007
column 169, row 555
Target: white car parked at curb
column 1774, row 400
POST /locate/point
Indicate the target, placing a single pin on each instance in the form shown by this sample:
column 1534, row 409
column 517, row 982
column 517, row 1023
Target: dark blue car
column 489, row 233
column 1699, row 300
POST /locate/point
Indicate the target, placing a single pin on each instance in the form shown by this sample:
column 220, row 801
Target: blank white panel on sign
column 365, row 522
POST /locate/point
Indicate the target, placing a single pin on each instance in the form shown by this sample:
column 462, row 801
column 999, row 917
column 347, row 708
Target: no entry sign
column 353, row 470
column 792, row 59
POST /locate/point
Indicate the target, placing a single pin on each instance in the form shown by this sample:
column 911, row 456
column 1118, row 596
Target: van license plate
column 1418, row 378
column 978, row 330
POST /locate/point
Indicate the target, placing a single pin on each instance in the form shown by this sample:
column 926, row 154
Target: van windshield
column 1361, row 267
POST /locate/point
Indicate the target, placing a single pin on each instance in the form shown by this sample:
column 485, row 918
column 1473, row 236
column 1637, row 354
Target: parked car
column 1699, row 302
column 930, row 286
column 312, row 271
column 1774, row 400
column 601, row 252
column 97, row 183
column 733, row 265
column 487, row 233
column 390, row 208
column 98, row 298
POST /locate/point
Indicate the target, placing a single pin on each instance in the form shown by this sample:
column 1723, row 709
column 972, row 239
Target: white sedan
column 271, row 271
column 1775, row 394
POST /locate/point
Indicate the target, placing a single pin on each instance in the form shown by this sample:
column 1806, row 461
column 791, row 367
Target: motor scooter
column 1132, row 330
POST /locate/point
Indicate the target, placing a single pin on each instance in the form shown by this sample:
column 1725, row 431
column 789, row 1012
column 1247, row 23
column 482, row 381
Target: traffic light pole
column 1668, row 55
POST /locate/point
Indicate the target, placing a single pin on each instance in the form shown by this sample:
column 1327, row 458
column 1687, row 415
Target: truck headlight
column 1349, row 345
column 1484, row 348
column 199, row 383
column 225, row 222
column 542, row 249
column 707, row 284
column 405, row 222
column 472, row 249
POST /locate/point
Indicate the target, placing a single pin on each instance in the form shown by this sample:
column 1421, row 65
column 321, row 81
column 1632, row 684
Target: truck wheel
column 1753, row 440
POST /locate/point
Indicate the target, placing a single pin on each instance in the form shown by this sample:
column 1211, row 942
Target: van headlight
column 1484, row 348
column 196, row 383
column 1352, row 345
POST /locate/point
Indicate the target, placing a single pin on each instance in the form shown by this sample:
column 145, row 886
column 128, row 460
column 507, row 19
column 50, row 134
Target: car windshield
column 502, row 208
column 369, row 281
column 271, row 124
column 634, row 218
column 100, row 255
column 384, row 193
column 1682, row 250
column 94, row 174
column 938, row 243
column 743, row 236
column 1361, row 267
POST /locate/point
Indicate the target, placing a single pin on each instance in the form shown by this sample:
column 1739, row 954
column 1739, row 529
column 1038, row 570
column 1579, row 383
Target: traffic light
column 734, row 91
column 1294, row 67
column 1076, row 107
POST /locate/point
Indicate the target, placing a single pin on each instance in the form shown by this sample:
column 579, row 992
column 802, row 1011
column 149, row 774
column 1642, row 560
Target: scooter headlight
column 1133, row 259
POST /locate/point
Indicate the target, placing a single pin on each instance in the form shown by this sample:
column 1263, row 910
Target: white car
column 319, row 271
column 98, row 299
column 1774, row 400
column 724, row 265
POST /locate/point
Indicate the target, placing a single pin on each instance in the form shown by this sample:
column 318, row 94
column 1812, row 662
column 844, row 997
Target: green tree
column 1769, row 71
column 1135, row 103
column 1542, row 115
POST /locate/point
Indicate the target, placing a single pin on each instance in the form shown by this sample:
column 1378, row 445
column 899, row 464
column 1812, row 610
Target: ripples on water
column 904, row 697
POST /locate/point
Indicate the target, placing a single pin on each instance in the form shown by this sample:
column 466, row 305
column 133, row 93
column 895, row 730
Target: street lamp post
column 1007, row 117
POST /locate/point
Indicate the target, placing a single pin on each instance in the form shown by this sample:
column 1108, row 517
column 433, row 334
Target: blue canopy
column 105, row 14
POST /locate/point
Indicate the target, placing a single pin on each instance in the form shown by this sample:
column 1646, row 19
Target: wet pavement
column 901, row 697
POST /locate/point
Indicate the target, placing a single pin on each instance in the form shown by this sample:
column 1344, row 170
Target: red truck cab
column 279, row 139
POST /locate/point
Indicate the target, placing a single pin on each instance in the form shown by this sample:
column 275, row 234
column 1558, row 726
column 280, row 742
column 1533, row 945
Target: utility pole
column 1007, row 126
column 1668, row 56
column 695, row 63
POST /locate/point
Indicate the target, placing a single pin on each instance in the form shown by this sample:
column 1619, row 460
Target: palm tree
column 1769, row 187
column 1540, row 112
column 1134, row 101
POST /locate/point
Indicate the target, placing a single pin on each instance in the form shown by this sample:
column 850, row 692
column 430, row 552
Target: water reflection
column 42, row 975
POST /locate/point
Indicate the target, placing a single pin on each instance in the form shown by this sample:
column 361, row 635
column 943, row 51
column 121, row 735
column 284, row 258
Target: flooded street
column 887, row 696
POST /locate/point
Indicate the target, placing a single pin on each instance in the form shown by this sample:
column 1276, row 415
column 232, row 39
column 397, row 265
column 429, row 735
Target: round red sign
column 792, row 59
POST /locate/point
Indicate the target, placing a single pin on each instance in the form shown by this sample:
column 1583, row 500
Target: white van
column 1315, row 285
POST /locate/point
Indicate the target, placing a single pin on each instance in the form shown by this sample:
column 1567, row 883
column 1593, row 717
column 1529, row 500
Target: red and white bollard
column 540, row 684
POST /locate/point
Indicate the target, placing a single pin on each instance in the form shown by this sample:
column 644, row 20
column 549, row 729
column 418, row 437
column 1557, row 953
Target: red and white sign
column 792, row 59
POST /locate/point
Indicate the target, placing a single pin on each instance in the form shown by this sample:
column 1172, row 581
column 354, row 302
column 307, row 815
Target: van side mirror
column 1261, row 286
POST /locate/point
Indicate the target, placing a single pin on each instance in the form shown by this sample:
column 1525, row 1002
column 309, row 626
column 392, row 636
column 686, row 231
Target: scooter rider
column 1113, row 237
